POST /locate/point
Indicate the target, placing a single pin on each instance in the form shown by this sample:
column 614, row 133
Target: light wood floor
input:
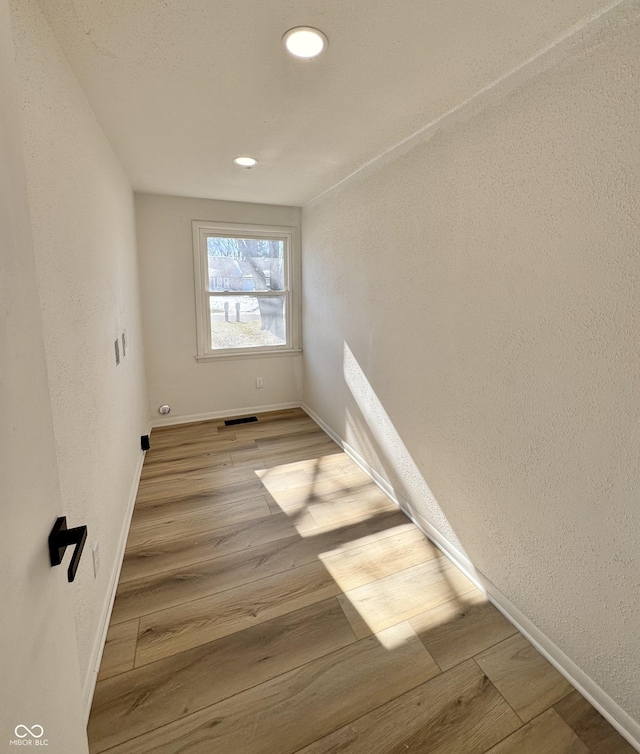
column 272, row 600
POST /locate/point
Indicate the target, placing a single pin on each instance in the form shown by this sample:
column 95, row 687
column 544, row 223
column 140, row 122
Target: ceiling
column 182, row 86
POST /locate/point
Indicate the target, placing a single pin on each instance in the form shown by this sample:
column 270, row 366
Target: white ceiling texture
column 183, row 86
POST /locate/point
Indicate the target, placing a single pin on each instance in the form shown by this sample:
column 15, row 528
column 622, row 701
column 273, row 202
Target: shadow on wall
column 367, row 425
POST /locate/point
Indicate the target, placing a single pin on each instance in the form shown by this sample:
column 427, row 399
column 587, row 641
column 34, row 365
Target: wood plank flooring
column 272, row 600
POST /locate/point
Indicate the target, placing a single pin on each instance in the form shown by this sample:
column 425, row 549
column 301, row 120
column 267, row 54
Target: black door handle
column 60, row 538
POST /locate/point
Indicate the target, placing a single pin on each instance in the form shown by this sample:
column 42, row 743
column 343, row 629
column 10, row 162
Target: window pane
column 247, row 321
column 245, row 264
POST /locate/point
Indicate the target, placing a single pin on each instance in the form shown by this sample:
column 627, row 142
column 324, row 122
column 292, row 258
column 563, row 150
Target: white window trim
column 291, row 235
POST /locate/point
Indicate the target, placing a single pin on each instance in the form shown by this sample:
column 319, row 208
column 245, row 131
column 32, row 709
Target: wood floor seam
column 330, row 559
column 275, row 678
column 197, row 599
column 282, row 540
column 505, row 700
column 508, row 735
column 472, row 657
column 178, row 514
column 149, row 668
column 135, row 656
column 222, row 591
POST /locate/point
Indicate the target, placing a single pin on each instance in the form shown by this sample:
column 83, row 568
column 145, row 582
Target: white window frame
column 291, row 238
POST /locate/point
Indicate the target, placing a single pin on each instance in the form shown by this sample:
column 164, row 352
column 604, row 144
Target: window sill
column 248, row 355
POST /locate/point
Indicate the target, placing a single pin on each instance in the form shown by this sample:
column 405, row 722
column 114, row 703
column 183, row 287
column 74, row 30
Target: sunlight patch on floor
column 309, row 466
column 401, row 596
column 374, row 561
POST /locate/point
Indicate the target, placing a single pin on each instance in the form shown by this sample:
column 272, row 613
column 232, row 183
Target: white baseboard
column 171, row 420
column 608, row 708
column 101, row 638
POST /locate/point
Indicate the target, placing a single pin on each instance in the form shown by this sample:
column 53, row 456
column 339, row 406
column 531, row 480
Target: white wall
column 39, row 674
column 84, row 236
column 471, row 322
column 193, row 388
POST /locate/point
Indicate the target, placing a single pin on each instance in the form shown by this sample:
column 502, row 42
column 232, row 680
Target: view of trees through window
column 245, row 276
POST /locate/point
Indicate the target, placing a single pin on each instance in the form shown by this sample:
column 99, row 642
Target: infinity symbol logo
column 28, row 732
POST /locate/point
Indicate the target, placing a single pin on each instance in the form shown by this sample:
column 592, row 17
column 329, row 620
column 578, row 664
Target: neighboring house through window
column 247, row 286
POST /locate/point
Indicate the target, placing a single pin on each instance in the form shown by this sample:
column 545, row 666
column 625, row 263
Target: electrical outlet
column 96, row 559
column 259, row 382
column 116, row 345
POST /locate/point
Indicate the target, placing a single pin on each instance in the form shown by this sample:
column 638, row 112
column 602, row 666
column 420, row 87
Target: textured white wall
column 165, row 247
column 471, row 322
column 84, row 237
column 38, row 648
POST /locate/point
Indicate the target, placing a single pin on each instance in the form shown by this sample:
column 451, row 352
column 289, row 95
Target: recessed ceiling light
column 245, row 162
column 305, row 42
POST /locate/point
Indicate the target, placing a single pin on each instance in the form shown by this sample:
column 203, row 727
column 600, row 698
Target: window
column 246, row 290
